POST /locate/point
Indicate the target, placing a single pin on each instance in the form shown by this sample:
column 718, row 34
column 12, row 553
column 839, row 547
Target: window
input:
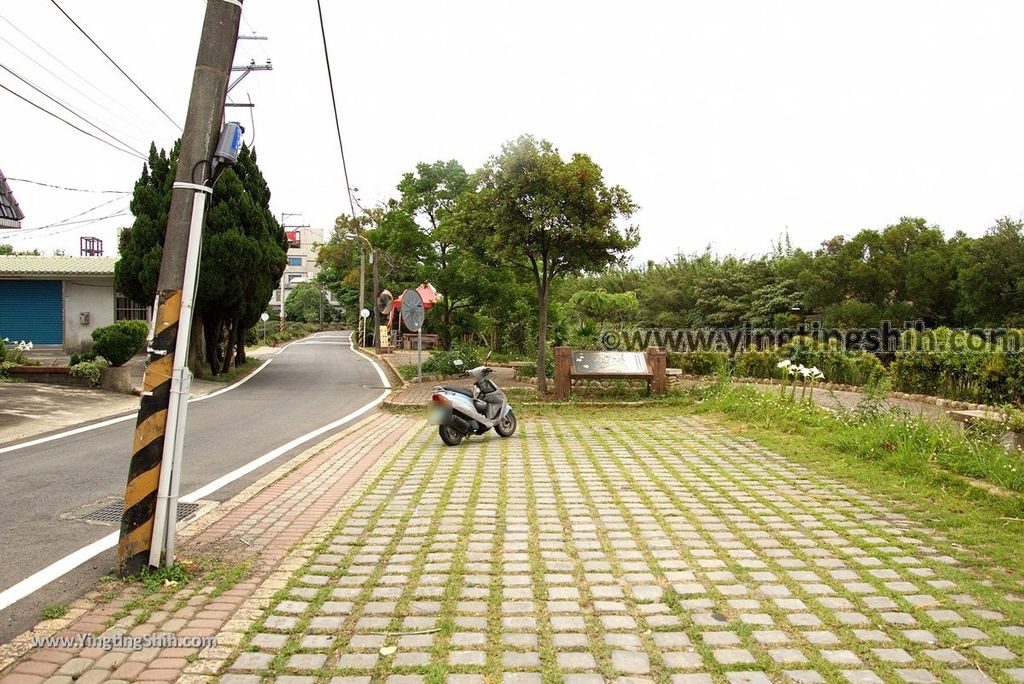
column 292, row 277
column 127, row 310
column 294, row 261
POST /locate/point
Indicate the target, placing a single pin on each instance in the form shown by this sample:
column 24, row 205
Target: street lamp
column 362, row 288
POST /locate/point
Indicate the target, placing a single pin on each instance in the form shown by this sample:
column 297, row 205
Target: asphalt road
column 307, row 385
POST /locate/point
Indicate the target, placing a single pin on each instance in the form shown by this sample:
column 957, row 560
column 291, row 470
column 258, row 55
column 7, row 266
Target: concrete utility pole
column 199, row 139
column 376, row 305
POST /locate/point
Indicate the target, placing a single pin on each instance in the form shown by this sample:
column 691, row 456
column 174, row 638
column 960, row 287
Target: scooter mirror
column 457, row 362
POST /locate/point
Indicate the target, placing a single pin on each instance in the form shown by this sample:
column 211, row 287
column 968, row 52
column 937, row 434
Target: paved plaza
column 603, row 550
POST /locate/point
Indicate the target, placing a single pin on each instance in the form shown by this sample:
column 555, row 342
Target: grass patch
column 55, row 611
column 236, row 373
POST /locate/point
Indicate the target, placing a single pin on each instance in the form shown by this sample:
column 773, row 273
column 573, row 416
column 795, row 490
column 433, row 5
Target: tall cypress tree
column 244, row 253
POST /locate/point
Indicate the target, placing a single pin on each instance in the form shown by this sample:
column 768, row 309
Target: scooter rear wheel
column 449, row 435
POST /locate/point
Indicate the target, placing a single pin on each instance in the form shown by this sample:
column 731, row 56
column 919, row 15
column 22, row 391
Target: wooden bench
column 409, row 341
column 609, row 365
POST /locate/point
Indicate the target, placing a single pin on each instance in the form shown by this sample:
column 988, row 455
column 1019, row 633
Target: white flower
column 785, row 363
column 804, row 371
column 816, row 374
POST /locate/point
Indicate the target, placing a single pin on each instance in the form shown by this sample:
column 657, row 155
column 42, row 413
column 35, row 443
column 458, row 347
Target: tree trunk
column 542, row 337
column 196, row 345
column 229, row 345
column 446, row 331
column 240, row 357
column 211, row 331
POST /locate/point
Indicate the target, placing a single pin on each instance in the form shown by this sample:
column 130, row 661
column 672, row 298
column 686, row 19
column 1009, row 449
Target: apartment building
column 303, row 246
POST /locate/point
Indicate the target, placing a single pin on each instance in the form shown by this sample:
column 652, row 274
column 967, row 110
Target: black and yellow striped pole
column 199, row 138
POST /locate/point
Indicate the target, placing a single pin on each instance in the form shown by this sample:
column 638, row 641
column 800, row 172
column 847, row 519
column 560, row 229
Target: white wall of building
column 94, row 296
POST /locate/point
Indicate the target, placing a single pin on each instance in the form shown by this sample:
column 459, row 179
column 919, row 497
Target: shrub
column 443, row 362
column 3, row 351
column 757, row 364
column 84, row 356
column 119, row 342
column 89, row 369
column 699, row 363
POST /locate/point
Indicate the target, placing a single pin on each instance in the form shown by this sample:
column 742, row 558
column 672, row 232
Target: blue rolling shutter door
column 32, row 310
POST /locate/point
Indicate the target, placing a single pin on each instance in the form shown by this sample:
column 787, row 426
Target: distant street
column 309, row 384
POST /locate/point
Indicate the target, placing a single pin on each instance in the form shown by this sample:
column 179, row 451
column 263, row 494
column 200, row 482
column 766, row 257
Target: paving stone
column 306, row 661
column 252, row 661
column 521, row 678
column 972, row 676
column 682, row 660
column 630, row 662
column 358, row 661
column 695, row 678
column 995, row 652
column 513, row 659
column 892, row 655
column 747, row 678
column 475, row 658
column 803, row 676
column 787, row 655
column 916, row 676
column 733, row 656
column 576, row 661
column 861, row 677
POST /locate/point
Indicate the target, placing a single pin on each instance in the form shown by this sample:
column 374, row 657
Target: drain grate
column 111, row 513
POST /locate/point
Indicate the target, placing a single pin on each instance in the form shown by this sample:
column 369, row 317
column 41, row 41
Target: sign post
column 412, row 315
column 264, row 317
column 363, row 315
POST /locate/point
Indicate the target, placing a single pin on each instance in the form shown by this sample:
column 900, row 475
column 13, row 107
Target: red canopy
column 427, row 293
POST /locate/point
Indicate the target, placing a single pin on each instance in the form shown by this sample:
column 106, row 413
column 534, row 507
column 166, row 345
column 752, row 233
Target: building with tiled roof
column 60, row 300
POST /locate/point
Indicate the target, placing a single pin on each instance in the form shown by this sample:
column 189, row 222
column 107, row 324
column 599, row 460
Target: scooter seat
column 460, row 390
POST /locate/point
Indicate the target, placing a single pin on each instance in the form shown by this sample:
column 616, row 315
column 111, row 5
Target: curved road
column 310, row 385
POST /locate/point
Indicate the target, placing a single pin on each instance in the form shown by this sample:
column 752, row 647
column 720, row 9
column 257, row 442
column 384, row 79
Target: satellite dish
column 384, row 301
column 412, row 310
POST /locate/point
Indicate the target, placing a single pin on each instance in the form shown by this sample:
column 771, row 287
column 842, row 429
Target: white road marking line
column 58, row 569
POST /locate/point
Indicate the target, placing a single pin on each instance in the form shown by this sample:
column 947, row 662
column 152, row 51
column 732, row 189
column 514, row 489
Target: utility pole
column 376, row 306
column 162, row 383
column 362, row 293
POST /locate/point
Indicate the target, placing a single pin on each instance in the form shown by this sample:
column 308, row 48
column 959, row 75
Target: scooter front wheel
column 507, row 425
column 449, row 435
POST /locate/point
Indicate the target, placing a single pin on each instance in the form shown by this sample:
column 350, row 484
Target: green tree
column 552, row 218
column 243, row 254
column 306, row 302
column 428, row 195
column 990, row 282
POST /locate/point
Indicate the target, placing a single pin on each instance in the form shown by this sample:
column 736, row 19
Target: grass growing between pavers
column 168, row 589
column 883, row 453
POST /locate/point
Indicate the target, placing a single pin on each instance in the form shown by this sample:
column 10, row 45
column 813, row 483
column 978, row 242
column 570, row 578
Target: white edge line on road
column 58, row 569
column 128, row 416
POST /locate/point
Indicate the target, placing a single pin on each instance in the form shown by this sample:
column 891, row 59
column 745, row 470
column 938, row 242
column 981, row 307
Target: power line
column 111, row 60
column 334, row 104
column 66, row 225
column 62, row 187
column 80, row 130
column 61, row 103
column 80, row 77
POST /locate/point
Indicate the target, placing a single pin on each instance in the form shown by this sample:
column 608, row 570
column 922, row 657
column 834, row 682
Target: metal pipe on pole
column 376, row 307
column 162, row 382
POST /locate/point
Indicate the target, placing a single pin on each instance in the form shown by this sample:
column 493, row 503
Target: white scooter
column 460, row 412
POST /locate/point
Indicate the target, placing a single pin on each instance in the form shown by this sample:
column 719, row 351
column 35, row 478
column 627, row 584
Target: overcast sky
column 727, row 121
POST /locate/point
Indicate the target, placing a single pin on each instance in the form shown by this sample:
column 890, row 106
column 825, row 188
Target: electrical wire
column 334, row 104
column 63, row 227
column 82, row 78
column 116, row 65
column 62, row 187
column 71, row 219
column 80, row 130
column 67, row 108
